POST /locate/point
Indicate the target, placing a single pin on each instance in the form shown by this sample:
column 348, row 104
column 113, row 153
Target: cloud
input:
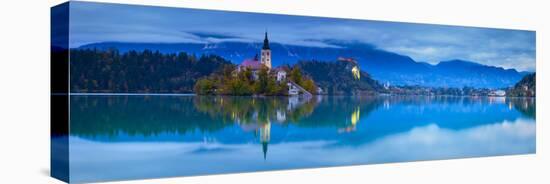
column 93, row 22
column 212, row 35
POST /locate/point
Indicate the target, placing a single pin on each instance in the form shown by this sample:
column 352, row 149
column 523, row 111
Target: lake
column 136, row 137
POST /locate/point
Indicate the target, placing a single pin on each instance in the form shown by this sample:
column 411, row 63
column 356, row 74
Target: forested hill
column 110, row 71
column 524, row 88
column 337, row 78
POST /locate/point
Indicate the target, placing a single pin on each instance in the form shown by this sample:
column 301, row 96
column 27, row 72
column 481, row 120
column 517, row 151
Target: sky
column 96, row 22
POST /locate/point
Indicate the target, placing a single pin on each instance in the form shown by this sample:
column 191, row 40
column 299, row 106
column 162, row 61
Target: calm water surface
column 135, row 137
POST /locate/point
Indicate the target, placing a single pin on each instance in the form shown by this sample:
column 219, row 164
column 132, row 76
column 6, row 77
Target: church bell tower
column 266, row 53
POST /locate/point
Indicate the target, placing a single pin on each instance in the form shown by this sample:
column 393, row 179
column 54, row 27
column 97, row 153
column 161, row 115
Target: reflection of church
column 265, row 134
column 259, row 120
column 262, row 131
column 265, row 113
column 265, row 129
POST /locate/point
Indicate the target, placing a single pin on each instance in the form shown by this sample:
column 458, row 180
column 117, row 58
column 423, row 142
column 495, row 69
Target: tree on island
column 296, row 75
column 245, row 83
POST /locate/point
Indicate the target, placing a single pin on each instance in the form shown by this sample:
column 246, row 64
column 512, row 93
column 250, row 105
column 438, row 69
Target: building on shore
column 497, row 93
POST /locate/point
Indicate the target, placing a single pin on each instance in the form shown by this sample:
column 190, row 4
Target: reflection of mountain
column 269, row 121
column 277, row 119
column 400, row 114
column 527, row 106
column 384, row 66
column 340, row 112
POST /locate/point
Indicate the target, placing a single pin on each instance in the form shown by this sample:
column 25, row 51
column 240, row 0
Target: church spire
column 266, row 42
column 264, row 149
column 266, row 53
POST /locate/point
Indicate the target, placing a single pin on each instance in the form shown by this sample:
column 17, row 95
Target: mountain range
column 384, row 66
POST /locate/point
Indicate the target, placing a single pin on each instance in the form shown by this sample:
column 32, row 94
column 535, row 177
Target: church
column 255, row 64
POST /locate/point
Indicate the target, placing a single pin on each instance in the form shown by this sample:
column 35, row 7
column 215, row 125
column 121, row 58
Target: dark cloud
column 206, row 35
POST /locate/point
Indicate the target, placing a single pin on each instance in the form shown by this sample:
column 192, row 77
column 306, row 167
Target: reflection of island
column 235, row 120
column 265, row 134
column 258, row 114
column 208, row 131
column 111, row 116
column 153, row 115
column 246, row 110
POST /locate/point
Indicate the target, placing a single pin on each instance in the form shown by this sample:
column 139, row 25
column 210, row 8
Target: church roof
column 252, row 64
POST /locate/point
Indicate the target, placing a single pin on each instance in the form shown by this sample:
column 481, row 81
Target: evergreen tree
column 110, row 71
column 296, row 75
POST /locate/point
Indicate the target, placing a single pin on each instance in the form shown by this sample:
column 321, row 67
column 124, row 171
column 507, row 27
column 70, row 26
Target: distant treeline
column 109, row 71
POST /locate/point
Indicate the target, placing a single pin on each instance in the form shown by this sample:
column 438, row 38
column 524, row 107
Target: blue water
column 136, row 137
